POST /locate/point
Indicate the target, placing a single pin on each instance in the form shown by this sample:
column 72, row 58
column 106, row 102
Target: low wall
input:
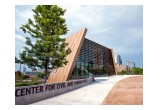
column 29, row 94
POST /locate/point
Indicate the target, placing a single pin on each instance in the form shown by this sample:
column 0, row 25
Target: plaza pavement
column 92, row 94
column 128, row 91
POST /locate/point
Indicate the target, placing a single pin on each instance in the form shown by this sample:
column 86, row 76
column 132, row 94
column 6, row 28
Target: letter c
column 16, row 93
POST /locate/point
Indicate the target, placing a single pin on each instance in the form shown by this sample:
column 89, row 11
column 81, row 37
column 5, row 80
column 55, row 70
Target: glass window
column 93, row 58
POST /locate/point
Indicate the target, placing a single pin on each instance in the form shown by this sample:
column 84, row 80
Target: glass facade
column 93, row 58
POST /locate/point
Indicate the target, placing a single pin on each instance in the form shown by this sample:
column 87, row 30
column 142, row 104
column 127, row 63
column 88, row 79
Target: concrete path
column 93, row 94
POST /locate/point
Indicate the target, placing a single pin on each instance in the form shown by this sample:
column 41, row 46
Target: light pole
column 20, row 67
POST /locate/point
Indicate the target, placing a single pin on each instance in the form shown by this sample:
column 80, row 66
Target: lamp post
column 20, row 67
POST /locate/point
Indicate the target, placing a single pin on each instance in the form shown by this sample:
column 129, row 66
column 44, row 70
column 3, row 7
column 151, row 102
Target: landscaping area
column 133, row 71
column 22, row 79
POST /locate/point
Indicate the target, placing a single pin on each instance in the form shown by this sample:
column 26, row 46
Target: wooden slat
column 63, row 73
column 113, row 61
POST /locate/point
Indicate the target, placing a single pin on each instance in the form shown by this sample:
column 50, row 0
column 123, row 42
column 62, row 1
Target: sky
column 114, row 26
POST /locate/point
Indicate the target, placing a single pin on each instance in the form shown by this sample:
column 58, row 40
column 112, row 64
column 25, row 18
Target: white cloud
column 103, row 30
column 24, row 11
column 114, row 26
column 84, row 19
column 20, row 38
column 117, row 27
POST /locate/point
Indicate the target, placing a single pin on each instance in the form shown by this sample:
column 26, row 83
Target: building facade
column 130, row 64
column 120, row 68
column 119, row 60
column 86, row 57
column 93, row 58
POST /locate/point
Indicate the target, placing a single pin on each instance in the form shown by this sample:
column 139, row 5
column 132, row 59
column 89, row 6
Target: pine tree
column 49, row 50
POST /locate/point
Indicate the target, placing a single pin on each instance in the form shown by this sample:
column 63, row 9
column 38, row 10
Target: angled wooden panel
column 63, row 73
column 111, row 62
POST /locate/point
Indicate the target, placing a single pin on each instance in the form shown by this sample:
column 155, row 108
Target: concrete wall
column 29, row 94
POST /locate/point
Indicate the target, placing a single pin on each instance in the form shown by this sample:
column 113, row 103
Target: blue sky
column 115, row 26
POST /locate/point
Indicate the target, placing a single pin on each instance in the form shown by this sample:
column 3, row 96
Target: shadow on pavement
column 99, row 81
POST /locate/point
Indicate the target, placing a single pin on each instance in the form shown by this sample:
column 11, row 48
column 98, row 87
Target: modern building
column 86, row 57
column 24, row 69
column 130, row 64
column 119, row 60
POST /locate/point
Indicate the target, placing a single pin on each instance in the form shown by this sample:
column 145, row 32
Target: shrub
column 133, row 71
column 18, row 75
column 40, row 75
column 34, row 79
column 123, row 72
column 26, row 76
column 137, row 71
column 26, row 83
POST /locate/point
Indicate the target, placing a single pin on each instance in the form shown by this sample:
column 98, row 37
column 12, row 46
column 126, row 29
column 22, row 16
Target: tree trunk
column 46, row 71
column 45, row 76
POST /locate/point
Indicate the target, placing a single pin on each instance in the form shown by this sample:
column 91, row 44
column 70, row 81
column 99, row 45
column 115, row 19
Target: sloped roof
column 74, row 42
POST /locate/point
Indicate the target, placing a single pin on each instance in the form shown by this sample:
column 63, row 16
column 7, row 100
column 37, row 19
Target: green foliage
column 40, row 75
column 18, row 76
column 133, row 71
column 34, row 79
column 138, row 71
column 18, row 61
column 26, row 76
column 25, row 80
column 26, row 83
column 123, row 72
column 49, row 50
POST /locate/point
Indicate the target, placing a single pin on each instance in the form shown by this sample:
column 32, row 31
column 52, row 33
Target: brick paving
column 128, row 91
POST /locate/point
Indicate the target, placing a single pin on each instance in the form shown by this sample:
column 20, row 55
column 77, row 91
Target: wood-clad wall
column 111, row 65
column 113, row 62
column 63, row 73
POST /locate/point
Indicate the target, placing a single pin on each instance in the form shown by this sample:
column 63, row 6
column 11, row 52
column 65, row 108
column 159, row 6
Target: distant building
column 24, row 69
column 120, row 68
column 31, row 74
column 130, row 64
column 119, row 60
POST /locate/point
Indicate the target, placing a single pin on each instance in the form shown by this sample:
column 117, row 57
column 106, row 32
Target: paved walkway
column 128, row 91
column 93, row 94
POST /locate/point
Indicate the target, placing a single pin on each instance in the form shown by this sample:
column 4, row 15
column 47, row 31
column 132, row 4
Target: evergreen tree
column 49, row 50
